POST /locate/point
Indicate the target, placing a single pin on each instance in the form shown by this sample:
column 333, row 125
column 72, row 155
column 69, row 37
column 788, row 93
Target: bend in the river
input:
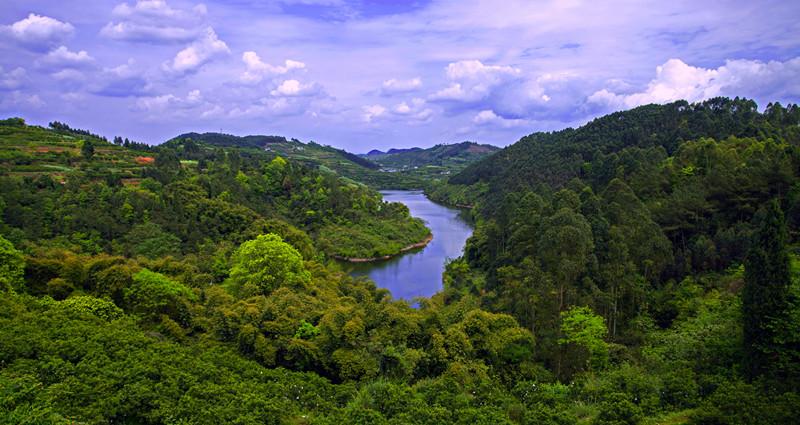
column 418, row 273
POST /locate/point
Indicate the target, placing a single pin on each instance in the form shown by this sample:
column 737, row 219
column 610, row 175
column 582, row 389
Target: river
column 418, row 273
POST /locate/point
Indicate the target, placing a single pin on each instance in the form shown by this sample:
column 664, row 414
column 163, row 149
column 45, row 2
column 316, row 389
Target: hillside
column 431, row 163
column 203, row 291
column 672, row 230
column 554, row 158
column 636, row 273
column 46, row 172
column 325, row 158
column 32, row 151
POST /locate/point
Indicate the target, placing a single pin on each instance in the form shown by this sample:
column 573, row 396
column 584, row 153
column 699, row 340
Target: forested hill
column 338, row 160
column 670, row 233
column 594, row 150
column 452, row 157
column 170, row 199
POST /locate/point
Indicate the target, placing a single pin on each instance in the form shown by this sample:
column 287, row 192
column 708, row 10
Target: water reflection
column 419, row 272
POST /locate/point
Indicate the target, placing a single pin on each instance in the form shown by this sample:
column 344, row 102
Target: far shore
column 420, row 244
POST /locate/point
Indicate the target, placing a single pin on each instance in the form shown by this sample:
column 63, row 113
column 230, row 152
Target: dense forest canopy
column 653, row 219
column 639, row 269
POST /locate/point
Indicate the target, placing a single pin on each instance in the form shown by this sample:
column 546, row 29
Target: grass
column 33, row 150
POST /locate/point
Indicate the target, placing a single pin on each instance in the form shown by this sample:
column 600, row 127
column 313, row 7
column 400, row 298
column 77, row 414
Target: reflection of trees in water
column 419, row 272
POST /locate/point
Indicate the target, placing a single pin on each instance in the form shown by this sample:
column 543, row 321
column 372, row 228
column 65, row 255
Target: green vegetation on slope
column 327, row 159
column 431, row 164
column 419, row 168
column 30, row 151
column 119, row 201
column 648, row 218
column 655, row 282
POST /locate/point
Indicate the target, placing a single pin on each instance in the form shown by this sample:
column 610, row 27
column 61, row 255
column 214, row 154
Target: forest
column 642, row 268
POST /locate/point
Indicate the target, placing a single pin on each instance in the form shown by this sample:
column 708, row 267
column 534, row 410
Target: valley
column 637, row 257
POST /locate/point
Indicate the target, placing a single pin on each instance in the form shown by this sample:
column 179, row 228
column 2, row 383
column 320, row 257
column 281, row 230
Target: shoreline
column 420, row 244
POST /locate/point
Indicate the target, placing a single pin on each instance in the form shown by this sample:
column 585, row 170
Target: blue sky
column 376, row 73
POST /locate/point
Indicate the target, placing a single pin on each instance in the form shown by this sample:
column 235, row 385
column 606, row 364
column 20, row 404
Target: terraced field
column 33, row 150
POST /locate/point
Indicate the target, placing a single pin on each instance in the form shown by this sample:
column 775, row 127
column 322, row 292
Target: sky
column 366, row 74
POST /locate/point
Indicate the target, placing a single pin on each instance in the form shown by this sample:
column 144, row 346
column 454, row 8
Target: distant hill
column 60, row 151
column 229, row 140
column 608, row 146
column 309, row 152
column 325, row 158
column 392, row 151
column 394, row 169
column 442, row 159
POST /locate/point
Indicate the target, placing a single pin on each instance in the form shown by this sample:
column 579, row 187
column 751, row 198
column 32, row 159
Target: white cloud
column 64, row 58
column 402, row 108
column 394, row 86
column 256, row 70
column 314, row 2
column 12, row 79
column 273, row 107
column 292, row 88
column 154, row 21
column 416, row 110
column 121, row 81
column 130, row 31
column 488, row 117
column 372, row 111
column 39, row 32
column 473, row 81
column 509, row 92
column 677, row 80
column 411, row 112
column 197, row 54
column 16, row 101
column 169, row 103
column 155, row 9
column 69, row 75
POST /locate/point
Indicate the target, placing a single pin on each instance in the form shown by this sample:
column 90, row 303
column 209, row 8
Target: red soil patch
column 145, row 160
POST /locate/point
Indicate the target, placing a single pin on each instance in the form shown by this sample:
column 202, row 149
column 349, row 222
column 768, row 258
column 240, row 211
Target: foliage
column 174, row 198
column 268, row 263
column 584, row 328
column 610, row 279
column 12, row 266
column 150, row 240
column 766, row 300
column 648, row 218
column 101, row 308
column 152, row 294
column 431, row 164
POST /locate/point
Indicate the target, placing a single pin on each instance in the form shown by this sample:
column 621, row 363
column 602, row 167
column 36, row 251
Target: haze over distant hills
column 409, row 168
column 453, row 157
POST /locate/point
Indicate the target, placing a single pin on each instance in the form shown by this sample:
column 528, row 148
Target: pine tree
column 766, row 296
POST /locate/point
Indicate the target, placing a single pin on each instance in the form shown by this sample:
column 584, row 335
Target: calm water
column 418, row 273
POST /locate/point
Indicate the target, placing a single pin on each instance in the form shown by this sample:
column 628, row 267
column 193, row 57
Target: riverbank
column 420, row 244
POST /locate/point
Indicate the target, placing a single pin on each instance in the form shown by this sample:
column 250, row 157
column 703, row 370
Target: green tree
column 618, row 410
column 582, row 327
column 766, row 296
column 12, row 267
column 87, row 150
column 564, row 249
column 268, row 263
column 150, row 240
column 153, row 294
column 101, row 308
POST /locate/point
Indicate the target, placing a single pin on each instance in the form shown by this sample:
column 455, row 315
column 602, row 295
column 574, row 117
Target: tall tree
column 766, row 297
column 87, row 149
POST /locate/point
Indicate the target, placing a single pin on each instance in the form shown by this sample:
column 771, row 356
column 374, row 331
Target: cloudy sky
column 366, row 74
